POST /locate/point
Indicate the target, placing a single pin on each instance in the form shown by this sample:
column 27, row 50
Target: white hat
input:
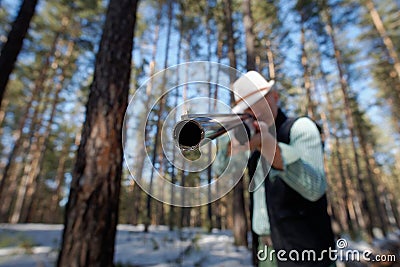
column 248, row 89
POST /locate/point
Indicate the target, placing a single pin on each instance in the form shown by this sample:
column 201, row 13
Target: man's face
column 261, row 111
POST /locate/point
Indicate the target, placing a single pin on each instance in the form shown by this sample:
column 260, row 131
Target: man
column 294, row 190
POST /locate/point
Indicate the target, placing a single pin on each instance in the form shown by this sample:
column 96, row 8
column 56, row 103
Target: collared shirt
column 303, row 170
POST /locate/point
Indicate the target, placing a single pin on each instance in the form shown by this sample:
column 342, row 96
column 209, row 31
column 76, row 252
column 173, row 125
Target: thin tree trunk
column 27, row 141
column 388, row 191
column 171, row 219
column 340, row 178
column 231, row 44
column 164, row 81
column 310, row 107
column 270, row 57
column 35, row 96
column 239, row 213
column 354, row 199
column 137, row 194
column 15, row 39
column 384, row 36
column 218, row 203
column 340, row 175
column 139, row 167
column 350, row 122
column 381, row 217
column 32, row 170
column 92, row 209
column 6, row 102
column 149, row 88
column 344, row 185
column 211, row 105
column 59, row 181
column 332, row 180
column 185, row 211
column 248, row 23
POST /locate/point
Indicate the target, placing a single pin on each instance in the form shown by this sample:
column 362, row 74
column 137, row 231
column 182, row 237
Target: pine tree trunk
column 270, row 57
column 239, row 214
column 35, row 96
column 184, row 214
column 248, row 23
column 3, row 109
column 338, row 171
column 31, row 172
column 172, row 213
column 310, row 107
column 92, row 210
column 137, row 199
column 15, row 39
column 382, row 220
column 19, row 181
column 384, row 36
column 344, row 187
column 218, row 203
column 211, row 105
column 149, row 88
column 185, row 211
column 14, row 178
column 54, row 202
column 332, row 177
column 163, row 162
column 350, row 122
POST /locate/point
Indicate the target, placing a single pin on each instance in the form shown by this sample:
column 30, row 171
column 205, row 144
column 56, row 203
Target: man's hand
column 267, row 145
column 234, row 147
column 266, row 240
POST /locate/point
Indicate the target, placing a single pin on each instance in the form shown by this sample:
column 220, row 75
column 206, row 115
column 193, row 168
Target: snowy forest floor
column 34, row 245
column 30, row 245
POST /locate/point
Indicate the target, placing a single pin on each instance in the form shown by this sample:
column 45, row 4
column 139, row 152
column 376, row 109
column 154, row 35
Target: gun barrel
column 195, row 130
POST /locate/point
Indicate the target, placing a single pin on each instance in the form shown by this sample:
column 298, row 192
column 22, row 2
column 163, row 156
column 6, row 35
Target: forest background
column 336, row 61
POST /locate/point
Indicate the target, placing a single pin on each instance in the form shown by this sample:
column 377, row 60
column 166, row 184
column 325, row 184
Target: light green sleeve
column 222, row 158
column 303, row 160
column 260, row 222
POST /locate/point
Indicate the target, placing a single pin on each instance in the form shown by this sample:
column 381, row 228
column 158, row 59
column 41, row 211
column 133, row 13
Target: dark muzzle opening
column 188, row 134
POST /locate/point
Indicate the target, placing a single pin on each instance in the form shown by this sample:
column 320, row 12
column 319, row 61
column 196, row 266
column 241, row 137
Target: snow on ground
column 27, row 245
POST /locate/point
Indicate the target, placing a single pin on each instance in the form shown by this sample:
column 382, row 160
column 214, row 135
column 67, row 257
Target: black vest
column 296, row 223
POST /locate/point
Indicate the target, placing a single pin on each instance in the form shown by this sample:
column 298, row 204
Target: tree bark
column 248, row 23
column 92, row 210
column 209, row 223
column 218, row 203
column 239, row 213
column 171, row 220
column 13, row 46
